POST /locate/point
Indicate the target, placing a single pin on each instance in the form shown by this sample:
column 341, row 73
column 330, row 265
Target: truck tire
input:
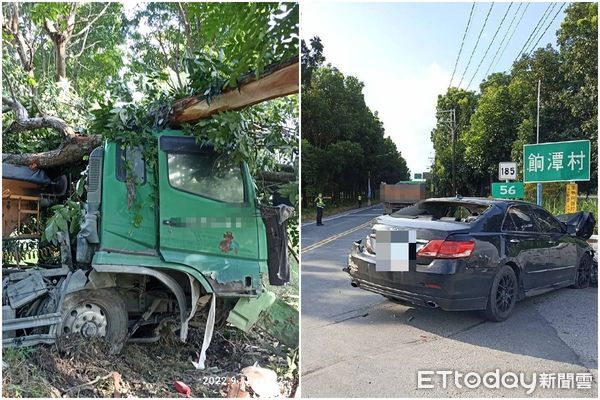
column 503, row 295
column 95, row 313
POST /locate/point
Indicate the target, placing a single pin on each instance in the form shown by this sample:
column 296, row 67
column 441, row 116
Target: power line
column 547, row 27
column 512, row 34
column 541, row 25
column 503, row 39
column 476, row 43
column 462, row 43
column 534, row 30
column 490, row 45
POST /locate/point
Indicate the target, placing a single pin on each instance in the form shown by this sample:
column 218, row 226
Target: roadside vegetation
column 494, row 123
column 343, row 141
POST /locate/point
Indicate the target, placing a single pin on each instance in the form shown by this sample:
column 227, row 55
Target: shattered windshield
column 443, row 211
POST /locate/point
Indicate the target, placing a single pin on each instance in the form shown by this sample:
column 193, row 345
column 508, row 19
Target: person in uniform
column 320, row 203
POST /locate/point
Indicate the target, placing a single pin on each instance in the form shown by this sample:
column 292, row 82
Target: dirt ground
column 75, row 367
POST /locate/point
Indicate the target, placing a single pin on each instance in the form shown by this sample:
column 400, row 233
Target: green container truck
column 147, row 256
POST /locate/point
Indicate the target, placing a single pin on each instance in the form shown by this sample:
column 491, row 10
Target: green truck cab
column 152, row 250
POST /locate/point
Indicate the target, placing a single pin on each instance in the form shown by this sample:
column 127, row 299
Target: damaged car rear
column 461, row 254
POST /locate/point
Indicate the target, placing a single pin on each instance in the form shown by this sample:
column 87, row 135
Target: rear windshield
column 443, row 211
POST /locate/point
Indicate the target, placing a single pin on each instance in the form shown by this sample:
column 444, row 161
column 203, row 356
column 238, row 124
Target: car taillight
column 447, row 249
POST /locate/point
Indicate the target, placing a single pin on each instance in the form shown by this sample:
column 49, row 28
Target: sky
column 405, row 54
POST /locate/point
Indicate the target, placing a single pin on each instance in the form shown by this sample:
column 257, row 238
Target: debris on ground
column 263, row 381
column 78, row 367
column 182, row 388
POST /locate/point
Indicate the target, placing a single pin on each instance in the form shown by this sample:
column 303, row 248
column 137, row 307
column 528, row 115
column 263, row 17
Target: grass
column 25, row 380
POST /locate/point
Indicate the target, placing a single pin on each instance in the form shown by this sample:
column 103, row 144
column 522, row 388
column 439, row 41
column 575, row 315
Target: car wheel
column 584, row 272
column 95, row 313
column 503, row 295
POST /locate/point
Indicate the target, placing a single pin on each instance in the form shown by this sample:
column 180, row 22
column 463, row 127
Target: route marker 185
column 507, row 171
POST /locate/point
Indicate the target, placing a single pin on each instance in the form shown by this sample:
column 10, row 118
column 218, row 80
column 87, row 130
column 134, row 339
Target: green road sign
column 556, row 162
column 508, row 190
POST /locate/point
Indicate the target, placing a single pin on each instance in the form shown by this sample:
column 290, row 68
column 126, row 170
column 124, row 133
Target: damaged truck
column 200, row 242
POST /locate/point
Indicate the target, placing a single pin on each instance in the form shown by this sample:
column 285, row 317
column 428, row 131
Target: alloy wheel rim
column 583, row 272
column 505, row 293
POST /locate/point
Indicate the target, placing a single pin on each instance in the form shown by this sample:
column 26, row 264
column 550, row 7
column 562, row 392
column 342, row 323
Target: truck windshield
column 443, row 211
column 208, row 175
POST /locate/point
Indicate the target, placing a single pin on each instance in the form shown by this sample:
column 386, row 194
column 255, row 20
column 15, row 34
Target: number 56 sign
column 508, row 190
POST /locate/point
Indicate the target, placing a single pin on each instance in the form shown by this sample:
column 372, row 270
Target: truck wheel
column 503, row 295
column 584, row 272
column 95, row 313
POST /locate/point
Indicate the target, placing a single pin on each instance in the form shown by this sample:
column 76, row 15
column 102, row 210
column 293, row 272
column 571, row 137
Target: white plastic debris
column 208, row 333
column 263, row 381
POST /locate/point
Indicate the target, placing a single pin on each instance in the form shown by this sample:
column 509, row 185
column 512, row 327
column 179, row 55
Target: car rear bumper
column 417, row 299
column 444, row 285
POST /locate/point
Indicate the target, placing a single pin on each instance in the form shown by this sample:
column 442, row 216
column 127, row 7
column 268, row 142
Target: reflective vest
column 320, row 202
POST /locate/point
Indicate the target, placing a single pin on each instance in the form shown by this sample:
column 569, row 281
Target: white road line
column 344, row 214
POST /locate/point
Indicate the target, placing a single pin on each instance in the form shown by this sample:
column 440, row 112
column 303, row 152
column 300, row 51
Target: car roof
column 479, row 200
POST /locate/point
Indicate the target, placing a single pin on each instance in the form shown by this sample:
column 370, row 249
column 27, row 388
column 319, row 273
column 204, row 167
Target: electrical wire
column 511, row 35
column 540, row 29
column 534, row 30
column 490, row 45
column 547, row 27
column 476, row 44
column 503, row 39
column 462, row 44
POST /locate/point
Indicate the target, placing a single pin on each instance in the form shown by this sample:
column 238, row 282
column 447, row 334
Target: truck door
column 207, row 213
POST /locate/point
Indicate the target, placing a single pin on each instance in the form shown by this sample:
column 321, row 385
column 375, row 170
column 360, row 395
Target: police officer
column 320, row 206
column 359, row 200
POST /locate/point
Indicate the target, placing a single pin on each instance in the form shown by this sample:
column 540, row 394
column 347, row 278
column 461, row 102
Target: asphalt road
column 357, row 344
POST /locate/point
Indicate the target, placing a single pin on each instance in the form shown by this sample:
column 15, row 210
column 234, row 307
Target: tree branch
column 24, row 123
column 276, row 176
column 92, row 22
column 69, row 153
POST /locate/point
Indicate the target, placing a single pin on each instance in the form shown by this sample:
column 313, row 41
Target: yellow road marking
column 334, row 237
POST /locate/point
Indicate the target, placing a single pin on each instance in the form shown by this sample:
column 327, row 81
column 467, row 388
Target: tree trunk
column 278, row 81
column 69, row 153
column 60, row 47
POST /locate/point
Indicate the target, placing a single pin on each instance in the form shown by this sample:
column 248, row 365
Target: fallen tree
column 72, row 149
column 277, row 81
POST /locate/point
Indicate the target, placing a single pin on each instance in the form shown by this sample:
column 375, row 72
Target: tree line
column 343, row 141
column 492, row 125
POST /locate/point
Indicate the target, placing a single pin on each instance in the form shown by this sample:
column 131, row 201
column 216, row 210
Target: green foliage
column 343, row 141
column 494, row 125
column 66, row 217
column 122, row 79
column 209, row 46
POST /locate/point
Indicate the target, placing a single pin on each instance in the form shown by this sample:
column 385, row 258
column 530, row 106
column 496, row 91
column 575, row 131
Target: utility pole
column 448, row 119
column 539, row 185
column 369, row 190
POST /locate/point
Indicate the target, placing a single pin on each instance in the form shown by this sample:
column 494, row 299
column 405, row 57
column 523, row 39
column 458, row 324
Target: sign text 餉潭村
column 556, row 162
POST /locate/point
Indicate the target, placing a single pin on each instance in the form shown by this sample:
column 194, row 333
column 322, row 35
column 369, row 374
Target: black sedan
column 472, row 254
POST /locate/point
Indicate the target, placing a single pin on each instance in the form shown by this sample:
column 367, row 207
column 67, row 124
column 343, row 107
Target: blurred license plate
column 396, row 250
